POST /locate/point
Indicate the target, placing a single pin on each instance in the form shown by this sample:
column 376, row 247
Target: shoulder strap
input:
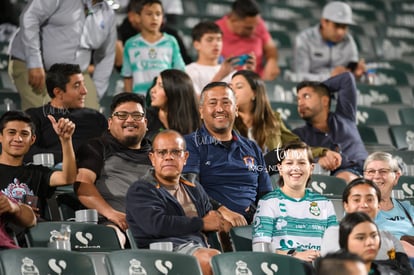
column 406, row 212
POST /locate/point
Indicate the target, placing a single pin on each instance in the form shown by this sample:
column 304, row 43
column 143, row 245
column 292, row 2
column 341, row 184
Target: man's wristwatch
column 291, row 252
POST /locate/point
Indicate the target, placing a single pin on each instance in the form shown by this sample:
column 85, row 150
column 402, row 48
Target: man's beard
column 130, row 141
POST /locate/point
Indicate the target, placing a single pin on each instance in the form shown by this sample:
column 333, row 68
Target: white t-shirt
column 201, row 75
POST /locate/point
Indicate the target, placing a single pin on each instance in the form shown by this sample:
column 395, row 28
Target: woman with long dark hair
column 173, row 104
column 258, row 121
column 359, row 234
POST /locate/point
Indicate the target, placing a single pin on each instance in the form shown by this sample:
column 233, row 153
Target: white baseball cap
column 338, row 12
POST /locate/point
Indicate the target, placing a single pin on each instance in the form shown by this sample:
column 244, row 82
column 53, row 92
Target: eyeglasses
column 138, row 116
column 382, row 172
column 162, row 153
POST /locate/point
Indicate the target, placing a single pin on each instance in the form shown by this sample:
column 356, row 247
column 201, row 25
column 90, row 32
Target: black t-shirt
column 17, row 181
column 116, row 167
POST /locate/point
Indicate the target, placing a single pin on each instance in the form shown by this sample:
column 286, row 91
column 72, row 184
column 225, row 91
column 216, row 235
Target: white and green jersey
column 143, row 61
column 289, row 223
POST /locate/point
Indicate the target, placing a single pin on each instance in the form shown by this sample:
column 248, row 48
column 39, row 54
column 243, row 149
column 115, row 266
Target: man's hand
column 7, row 206
column 360, row 69
column 408, row 248
column 213, row 221
column 119, row 219
column 226, row 67
column 331, row 161
column 308, row 255
column 21, row 213
column 232, row 217
column 37, row 79
column 251, row 62
column 64, row 128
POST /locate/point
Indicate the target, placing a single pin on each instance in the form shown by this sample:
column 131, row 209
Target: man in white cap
column 327, row 49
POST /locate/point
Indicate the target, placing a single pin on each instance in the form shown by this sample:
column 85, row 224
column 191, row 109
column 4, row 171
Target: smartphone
column 30, row 200
column 243, row 59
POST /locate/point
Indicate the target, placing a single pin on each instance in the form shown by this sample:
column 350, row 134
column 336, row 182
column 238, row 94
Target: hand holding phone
column 239, row 60
column 242, row 59
column 30, row 200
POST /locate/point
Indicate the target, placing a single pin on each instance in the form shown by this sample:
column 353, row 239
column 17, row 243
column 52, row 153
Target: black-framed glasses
column 383, row 172
column 162, row 153
column 138, row 116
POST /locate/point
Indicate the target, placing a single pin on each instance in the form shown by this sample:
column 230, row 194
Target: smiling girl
column 291, row 218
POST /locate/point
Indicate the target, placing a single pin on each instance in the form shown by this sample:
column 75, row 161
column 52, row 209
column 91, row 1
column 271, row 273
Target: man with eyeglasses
column 394, row 216
column 108, row 165
column 66, row 87
column 163, row 206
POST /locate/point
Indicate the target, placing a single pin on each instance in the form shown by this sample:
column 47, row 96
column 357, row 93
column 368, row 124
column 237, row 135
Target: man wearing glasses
column 163, row 206
column 108, row 165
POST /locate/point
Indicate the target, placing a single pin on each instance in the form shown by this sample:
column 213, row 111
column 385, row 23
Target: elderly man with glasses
column 108, row 165
column 164, row 206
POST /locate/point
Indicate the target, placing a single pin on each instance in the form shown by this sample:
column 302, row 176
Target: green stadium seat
column 383, row 94
column 402, row 6
column 371, row 141
column 287, row 12
column 406, row 115
column 400, row 18
column 9, row 100
column 241, row 237
column 145, row 261
column 391, row 77
column 131, row 239
column 329, row 186
column 400, row 134
column 406, row 184
column 84, row 236
column 282, row 39
column 288, row 112
column 393, row 48
column 248, row 262
column 45, row 261
column 281, row 25
column 215, row 7
column 371, row 116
